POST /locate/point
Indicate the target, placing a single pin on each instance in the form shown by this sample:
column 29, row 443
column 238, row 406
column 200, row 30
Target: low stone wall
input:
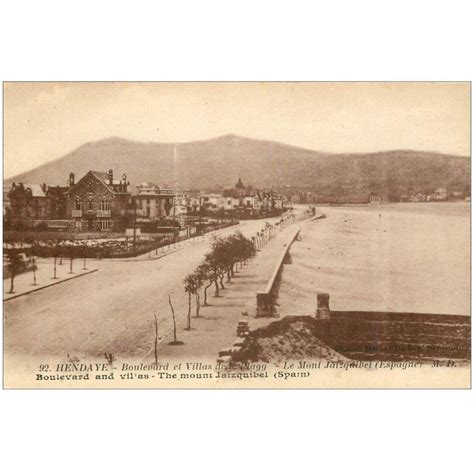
column 266, row 297
column 378, row 335
column 366, row 335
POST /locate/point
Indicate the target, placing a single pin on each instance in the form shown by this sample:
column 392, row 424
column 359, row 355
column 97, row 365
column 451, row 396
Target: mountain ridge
column 218, row 162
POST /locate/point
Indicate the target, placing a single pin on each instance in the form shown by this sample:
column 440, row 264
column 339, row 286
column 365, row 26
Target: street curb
column 137, row 259
column 51, row 284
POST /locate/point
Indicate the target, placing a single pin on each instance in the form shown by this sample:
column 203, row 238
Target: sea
column 407, row 257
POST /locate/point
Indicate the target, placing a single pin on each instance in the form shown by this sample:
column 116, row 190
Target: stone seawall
column 266, row 297
column 360, row 336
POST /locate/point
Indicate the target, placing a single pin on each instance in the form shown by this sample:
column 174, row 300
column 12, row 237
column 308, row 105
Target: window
column 105, row 225
column 78, row 204
column 104, row 205
column 90, row 204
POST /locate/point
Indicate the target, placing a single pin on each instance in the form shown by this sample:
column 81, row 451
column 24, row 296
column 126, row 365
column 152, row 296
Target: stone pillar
column 323, row 311
column 264, row 305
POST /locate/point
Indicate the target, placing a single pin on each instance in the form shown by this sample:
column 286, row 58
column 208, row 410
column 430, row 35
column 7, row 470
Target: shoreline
column 388, row 258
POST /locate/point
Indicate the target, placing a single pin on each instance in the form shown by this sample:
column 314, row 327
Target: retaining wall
column 266, row 297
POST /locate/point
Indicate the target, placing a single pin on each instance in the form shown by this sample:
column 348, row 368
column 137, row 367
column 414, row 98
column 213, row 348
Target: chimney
column 44, row 187
column 71, row 179
column 111, row 177
column 124, row 179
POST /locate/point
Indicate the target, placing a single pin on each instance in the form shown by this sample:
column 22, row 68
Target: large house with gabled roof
column 31, row 203
column 98, row 202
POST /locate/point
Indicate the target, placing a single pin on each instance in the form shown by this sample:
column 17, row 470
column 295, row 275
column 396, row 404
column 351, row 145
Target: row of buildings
column 97, row 202
column 439, row 194
column 100, row 202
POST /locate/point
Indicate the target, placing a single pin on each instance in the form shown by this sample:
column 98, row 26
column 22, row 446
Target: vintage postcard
column 236, row 235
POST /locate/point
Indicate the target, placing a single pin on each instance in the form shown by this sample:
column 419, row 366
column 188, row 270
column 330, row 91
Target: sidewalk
column 171, row 248
column 24, row 283
column 166, row 249
column 215, row 329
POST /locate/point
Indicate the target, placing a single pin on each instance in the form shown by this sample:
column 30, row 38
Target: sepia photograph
column 236, row 235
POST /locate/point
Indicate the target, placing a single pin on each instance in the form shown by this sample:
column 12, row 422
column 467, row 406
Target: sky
column 45, row 121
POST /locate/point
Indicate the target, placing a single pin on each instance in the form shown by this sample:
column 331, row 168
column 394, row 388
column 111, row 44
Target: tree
column 55, row 251
column 33, row 262
column 232, row 254
column 192, row 284
column 14, row 265
column 175, row 341
column 217, row 270
column 242, row 248
column 235, row 249
column 208, row 276
column 199, row 279
column 72, row 254
column 223, row 258
column 34, row 268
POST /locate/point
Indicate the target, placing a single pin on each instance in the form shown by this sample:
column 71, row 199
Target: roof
column 104, row 179
column 151, row 189
column 58, row 190
column 100, row 175
column 36, row 189
column 147, row 184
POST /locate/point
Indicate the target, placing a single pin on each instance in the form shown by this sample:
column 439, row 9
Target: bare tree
column 33, row 261
column 56, row 250
column 14, row 264
column 175, row 341
column 72, row 254
column 190, row 289
column 200, row 279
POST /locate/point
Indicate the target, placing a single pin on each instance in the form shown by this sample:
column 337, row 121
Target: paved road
column 108, row 311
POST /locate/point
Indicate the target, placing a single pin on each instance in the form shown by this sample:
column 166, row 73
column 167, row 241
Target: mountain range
column 218, row 163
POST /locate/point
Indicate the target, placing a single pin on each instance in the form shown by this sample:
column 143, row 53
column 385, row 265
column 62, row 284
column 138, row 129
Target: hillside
column 220, row 161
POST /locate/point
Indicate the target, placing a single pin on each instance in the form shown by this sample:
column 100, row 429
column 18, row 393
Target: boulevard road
column 111, row 310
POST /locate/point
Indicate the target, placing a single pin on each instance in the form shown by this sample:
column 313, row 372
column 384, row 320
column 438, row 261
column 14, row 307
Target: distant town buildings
column 440, row 194
column 154, row 202
column 295, row 199
column 375, row 199
column 100, row 202
column 247, row 197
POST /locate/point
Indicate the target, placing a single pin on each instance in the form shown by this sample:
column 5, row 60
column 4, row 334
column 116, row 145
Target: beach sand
column 393, row 257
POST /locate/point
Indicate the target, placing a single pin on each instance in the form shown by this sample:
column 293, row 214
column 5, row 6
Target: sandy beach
column 392, row 257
